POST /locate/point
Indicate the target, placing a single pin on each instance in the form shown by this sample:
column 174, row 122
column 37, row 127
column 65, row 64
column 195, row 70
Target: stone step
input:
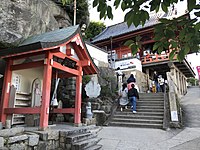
column 150, row 98
column 149, row 104
column 143, row 110
column 95, row 147
column 85, row 144
column 79, row 137
column 140, row 113
column 150, row 107
column 140, row 125
column 151, row 101
column 96, row 129
column 11, row 132
column 138, row 116
column 79, row 131
column 150, row 110
column 136, row 120
column 152, row 94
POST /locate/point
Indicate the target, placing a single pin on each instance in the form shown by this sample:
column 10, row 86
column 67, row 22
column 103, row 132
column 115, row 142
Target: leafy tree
column 94, row 29
column 82, row 10
column 192, row 81
column 181, row 34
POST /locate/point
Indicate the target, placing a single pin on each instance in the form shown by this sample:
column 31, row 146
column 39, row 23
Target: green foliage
column 181, row 34
column 193, row 81
column 94, row 29
column 82, row 11
column 86, row 79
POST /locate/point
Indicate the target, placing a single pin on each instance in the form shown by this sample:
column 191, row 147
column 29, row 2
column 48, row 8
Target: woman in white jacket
column 123, row 93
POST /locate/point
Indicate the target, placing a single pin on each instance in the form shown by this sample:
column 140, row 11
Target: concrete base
column 78, row 124
column 91, row 121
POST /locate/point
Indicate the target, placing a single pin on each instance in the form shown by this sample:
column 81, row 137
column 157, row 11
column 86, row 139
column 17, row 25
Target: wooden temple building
column 31, row 68
column 114, row 37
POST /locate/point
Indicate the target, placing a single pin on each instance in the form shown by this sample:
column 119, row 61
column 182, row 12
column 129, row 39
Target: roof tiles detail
column 122, row 28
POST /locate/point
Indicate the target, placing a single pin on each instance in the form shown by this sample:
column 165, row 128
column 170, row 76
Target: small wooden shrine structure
column 56, row 54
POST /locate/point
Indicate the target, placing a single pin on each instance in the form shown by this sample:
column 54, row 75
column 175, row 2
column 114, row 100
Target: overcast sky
column 119, row 17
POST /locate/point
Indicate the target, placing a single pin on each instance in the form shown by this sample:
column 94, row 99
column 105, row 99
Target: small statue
column 89, row 113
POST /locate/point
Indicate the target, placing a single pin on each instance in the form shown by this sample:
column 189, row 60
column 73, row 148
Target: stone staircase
column 83, row 139
column 150, row 111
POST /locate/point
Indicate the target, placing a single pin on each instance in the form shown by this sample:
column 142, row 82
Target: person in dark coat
column 132, row 95
column 155, row 79
column 131, row 80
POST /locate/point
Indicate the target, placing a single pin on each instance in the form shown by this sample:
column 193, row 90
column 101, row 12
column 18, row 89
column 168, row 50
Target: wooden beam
column 28, row 110
column 44, row 114
column 64, row 111
column 65, row 75
column 64, row 68
column 27, row 65
column 21, row 55
column 33, row 53
column 85, row 63
column 6, row 91
column 77, row 116
column 63, row 56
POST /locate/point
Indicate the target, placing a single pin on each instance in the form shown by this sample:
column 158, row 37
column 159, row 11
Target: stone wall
column 19, row 139
column 60, row 138
column 141, row 80
column 23, row 18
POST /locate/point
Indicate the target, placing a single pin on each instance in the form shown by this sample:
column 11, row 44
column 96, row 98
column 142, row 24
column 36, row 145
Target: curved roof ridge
column 106, row 30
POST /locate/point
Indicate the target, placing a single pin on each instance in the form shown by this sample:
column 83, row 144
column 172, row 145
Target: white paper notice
column 174, row 116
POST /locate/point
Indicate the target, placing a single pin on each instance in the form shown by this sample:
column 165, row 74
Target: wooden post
column 77, row 115
column 44, row 113
column 5, row 91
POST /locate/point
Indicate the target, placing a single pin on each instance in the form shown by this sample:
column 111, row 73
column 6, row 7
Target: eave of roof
column 49, row 40
column 45, row 40
column 122, row 28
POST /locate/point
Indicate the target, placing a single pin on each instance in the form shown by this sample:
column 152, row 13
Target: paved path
column 191, row 107
column 188, row 138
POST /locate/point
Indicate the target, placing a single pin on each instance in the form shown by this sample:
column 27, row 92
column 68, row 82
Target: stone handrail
column 175, row 110
column 166, row 109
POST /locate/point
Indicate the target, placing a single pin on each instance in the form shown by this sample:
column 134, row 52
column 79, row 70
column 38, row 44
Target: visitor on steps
column 131, row 80
column 123, row 96
column 161, row 82
column 155, row 79
column 132, row 95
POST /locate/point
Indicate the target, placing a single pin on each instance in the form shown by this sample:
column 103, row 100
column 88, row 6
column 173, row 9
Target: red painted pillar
column 5, row 91
column 77, row 115
column 44, row 112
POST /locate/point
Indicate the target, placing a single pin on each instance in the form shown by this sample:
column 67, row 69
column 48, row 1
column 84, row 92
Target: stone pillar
column 178, row 81
column 173, row 73
column 182, row 84
column 185, row 86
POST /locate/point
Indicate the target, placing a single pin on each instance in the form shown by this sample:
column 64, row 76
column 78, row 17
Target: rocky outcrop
column 20, row 19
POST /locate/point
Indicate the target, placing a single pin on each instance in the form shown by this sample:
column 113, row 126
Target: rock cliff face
column 20, row 19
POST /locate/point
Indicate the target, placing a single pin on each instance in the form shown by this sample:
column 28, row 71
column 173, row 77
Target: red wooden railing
column 151, row 58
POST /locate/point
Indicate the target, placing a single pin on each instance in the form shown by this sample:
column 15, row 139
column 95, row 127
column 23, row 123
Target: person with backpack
column 123, row 96
column 132, row 95
column 131, row 80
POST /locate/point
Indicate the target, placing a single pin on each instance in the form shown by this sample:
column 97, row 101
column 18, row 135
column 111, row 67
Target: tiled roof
column 45, row 40
column 122, row 28
column 52, row 37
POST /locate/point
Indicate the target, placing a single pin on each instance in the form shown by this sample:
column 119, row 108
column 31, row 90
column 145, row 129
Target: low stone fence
column 19, row 139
